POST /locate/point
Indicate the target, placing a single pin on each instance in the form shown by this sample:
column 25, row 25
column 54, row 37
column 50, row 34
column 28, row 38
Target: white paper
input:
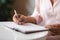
column 24, row 28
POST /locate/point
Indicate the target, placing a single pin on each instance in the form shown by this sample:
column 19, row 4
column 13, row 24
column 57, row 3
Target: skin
column 53, row 27
column 24, row 19
column 52, row 2
column 28, row 19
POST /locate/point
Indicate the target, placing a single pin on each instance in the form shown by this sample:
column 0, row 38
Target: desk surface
column 5, row 34
column 21, row 35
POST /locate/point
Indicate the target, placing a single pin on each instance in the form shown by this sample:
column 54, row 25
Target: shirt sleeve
column 37, row 16
column 36, row 13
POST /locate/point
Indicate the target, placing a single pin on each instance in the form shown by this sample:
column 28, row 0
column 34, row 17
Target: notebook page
column 24, row 28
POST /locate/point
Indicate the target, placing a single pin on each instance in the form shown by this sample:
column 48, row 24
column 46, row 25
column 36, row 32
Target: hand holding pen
column 19, row 19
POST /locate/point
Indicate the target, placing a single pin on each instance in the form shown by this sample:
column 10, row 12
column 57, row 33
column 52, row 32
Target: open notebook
column 27, row 28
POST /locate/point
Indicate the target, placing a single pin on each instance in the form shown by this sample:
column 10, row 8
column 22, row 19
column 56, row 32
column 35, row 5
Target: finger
column 19, row 15
column 23, row 18
column 49, row 27
column 21, row 23
column 15, row 19
column 25, row 21
column 17, row 22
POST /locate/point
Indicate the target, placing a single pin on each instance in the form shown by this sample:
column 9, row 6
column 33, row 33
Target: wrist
column 30, row 20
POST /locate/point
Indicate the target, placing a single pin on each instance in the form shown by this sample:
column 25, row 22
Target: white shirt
column 49, row 13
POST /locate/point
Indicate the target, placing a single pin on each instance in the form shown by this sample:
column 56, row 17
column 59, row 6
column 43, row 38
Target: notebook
column 27, row 28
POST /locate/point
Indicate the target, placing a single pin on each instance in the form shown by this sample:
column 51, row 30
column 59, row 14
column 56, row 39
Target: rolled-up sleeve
column 36, row 13
column 37, row 16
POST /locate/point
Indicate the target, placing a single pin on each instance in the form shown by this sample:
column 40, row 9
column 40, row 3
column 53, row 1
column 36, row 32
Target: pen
column 15, row 12
column 17, row 15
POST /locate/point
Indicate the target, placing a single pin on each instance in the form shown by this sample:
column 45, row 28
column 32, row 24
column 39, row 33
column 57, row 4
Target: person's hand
column 54, row 28
column 19, row 19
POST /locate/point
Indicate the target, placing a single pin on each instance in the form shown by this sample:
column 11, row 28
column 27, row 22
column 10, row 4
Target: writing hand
column 20, row 19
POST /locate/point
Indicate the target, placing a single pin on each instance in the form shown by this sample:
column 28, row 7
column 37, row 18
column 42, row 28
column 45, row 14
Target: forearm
column 31, row 19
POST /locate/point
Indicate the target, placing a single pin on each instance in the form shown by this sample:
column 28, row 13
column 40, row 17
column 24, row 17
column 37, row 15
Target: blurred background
column 25, row 7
